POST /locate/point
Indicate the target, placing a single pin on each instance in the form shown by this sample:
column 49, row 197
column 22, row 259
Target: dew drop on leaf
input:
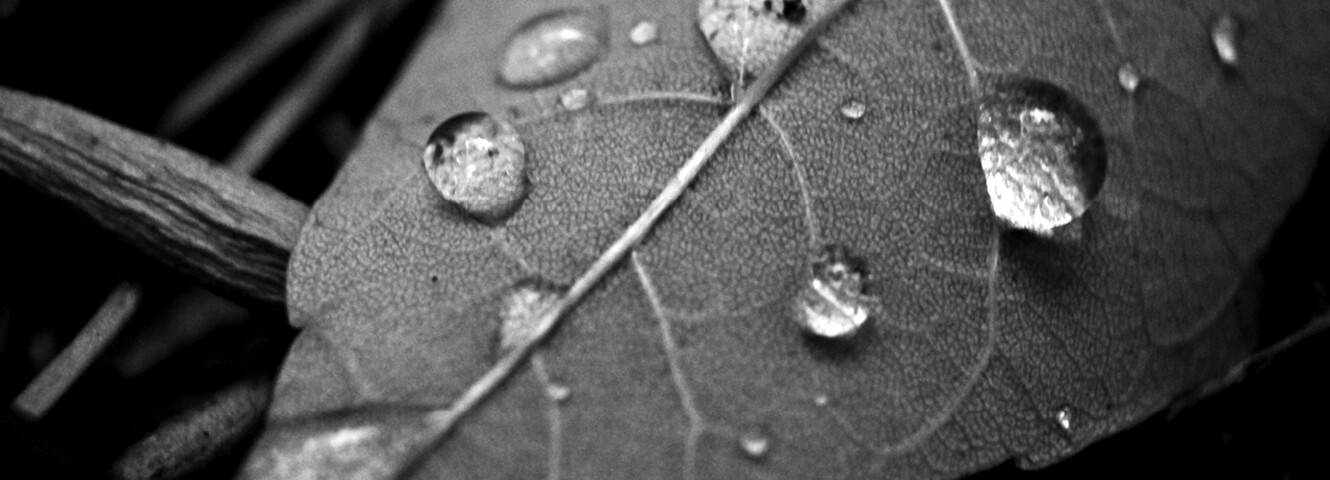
column 748, row 36
column 831, row 303
column 521, row 309
column 754, row 444
column 1129, row 78
column 643, row 33
column 558, row 392
column 553, row 47
column 853, row 109
column 1064, row 418
column 1042, row 153
column 368, row 443
column 1224, row 34
column 821, row 400
column 575, row 99
column 477, row 163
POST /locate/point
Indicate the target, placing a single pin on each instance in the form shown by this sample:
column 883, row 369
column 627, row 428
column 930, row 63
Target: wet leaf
column 985, row 344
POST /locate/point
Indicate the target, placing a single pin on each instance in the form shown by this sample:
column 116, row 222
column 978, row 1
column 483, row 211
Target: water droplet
column 479, row 164
column 754, row 444
column 1064, row 418
column 1224, row 33
column 521, row 311
column 575, row 99
column 1042, row 153
column 1129, row 78
column 553, row 47
column 643, row 33
column 748, row 36
column 853, row 109
column 831, row 303
column 558, row 392
column 821, row 400
column 362, row 443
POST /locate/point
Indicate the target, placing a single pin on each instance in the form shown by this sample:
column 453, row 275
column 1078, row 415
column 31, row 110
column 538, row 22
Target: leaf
column 683, row 360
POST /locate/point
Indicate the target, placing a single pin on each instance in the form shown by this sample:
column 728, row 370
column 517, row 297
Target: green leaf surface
column 985, row 342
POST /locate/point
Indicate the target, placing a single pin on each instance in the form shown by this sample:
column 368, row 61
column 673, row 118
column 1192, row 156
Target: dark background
column 125, row 61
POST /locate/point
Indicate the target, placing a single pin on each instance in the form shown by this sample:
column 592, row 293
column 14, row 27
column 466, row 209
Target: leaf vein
column 677, row 375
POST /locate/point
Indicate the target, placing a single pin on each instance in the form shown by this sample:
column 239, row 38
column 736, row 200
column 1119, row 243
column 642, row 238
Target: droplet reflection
column 831, row 303
column 553, row 47
column 754, row 444
column 478, row 163
column 643, row 33
column 1224, row 34
column 1042, row 154
column 521, row 310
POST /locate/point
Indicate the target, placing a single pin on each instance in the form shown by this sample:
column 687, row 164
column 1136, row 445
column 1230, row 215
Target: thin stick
column 56, row 378
column 230, row 233
column 313, row 84
column 276, row 34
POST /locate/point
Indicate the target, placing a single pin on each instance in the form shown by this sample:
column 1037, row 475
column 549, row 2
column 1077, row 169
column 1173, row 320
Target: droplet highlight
column 831, row 303
column 575, row 99
column 557, row 392
column 554, row 47
column 1042, row 153
column 521, row 310
column 821, row 400
column 1129, row 78
column 853, row 109
column 754, row 444
column 643, row 33
column 477, row 163
column 1064, row 418
column 748, row 36
column 1224, row 34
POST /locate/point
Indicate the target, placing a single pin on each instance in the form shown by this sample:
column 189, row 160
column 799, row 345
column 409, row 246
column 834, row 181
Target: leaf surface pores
column 983, row 344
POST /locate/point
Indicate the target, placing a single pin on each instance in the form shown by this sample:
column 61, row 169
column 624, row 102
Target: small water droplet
column 1128, row 77
column 853, row 109
column 831, row 303
column 478, row 163
column 575, row 99
column 521, row 310
column 821, row 400
column 748, row 36
column 754, row 444
column 553, row 47
column 1224, row 34
column 1042, row 154
column 643, row 33
column 1064, row 418
column 558, row 392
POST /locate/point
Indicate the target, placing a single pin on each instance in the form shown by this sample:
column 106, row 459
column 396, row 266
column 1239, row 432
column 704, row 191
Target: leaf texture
column 985, row 341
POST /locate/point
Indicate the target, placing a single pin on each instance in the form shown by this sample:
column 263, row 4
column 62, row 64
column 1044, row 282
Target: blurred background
column 132, row 62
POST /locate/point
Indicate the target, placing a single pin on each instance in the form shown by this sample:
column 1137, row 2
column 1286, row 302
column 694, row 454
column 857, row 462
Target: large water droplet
column 1129, row 78
column 553, row 47
column 478, row 163
column 521, row 310
column 748, row 36
column 1042, row 153
column 643, row 33
column 853, row 109
column 831, row 304
column 1224, row 34
column 575, row 99
column 754, row 444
